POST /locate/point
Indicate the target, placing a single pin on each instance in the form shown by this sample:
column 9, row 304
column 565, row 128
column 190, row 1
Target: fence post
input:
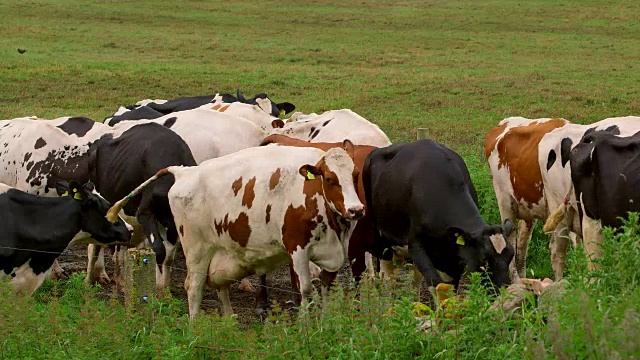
column 139, row 277
column 421, row 133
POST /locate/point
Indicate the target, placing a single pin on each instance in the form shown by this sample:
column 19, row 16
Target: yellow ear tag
column 66, row 193
column 282, row 114
column 310, row 176
column 77, row 196
column 460, row 240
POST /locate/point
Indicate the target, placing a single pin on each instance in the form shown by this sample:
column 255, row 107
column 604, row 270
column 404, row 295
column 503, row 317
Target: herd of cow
column 244, row 191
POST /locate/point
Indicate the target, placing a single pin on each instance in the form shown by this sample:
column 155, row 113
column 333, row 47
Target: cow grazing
column 420, row 194
column 259, row 208
column 35, row 230
column 332, row 126
column 156, row 108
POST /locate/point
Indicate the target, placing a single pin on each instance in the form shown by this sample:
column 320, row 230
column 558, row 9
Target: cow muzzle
column 355, row 212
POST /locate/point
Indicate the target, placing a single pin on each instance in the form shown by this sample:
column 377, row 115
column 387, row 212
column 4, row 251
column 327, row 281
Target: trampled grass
column 453, row 67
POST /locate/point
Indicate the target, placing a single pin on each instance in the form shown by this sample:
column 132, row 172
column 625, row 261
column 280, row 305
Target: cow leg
column 326, row 278
column 171, row 246
column 295, row 287
column 194, row 285
column 25, row 281
column 422, row 261
column 118, row 266
column 301, row 272
column 558, row 249
column 417, row 280
column 525, row 228
column 360, row 263
column 386, row 269
column 262, row 296
column 152, row 231
column 95, row 266
column 370, row 268
column 592, row 238
column 223, row 295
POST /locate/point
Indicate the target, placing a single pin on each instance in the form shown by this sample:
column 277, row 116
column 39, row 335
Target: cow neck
column 61, row 220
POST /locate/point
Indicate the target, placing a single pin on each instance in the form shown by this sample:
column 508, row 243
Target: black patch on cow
column 46, row 190
column 228, row 98
column 565, row 150
column 326, row 123
column 315, row 134
column 40, row 143
column 170, row 121
column 58, row 165
column 79, row 126
column 27, row 156
column 311, row 131
column 551, row 159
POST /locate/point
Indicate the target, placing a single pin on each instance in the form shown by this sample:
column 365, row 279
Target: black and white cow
column 605, row 171
column 420, row 194
column 151, row 109
column 35, row 230
column 38, row 153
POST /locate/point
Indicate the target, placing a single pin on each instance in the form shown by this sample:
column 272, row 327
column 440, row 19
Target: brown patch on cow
column 333, row 192
column 239, row 229
column 491, row 139
column 299, row 222
column 216, row 107
column 236, row 185
column 224, row 108
column 181, row 229
column 518, row 150
column 249, row 194
column 268, row 216
column 274, row 179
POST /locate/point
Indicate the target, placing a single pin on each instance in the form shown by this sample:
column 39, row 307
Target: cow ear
column 277, row 124
column 347, row 145
column 565, row 150
column 241, row 97
column 89, row 187
column 458, row 236
column 507, row 227
column 62, row 188
column 309, row 172
column 285, row 107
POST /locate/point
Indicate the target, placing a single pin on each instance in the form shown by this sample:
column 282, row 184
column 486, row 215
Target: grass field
column 455, row 68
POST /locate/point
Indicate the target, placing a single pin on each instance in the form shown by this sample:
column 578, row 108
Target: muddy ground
column 279, row 282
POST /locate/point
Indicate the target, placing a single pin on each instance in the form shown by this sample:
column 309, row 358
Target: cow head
column 267, row 105
column 486, row 248
column 93, row 213
column 337, row 174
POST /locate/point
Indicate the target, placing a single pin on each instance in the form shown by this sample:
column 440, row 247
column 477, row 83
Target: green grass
column 455, row 68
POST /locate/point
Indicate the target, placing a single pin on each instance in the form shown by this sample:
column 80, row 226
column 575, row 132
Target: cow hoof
column 245, row 285
column 262, row 312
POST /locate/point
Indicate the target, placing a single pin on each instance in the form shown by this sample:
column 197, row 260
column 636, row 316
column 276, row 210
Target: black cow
column 155, row 109
column 35, row 230
column 420, row 194
column 605, row 172
column 118, row 164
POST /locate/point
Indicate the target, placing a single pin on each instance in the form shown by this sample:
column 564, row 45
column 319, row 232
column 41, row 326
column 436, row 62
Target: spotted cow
column 151, row 109
column 35, row 230
column 256, row 209
column 531, row 176
column 363, row 239
column 556, row 165
column 116, row 159
column 332, row 126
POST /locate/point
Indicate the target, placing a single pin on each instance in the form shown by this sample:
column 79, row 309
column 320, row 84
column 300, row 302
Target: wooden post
column 139, row 277
column 421, row 133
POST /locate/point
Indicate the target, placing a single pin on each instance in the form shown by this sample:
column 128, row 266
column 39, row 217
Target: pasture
column 454, row 68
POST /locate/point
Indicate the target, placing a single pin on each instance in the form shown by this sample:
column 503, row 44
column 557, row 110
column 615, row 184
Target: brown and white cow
column 511, row 149
column 259, row 208
column 362, row 239
column 529, row 161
